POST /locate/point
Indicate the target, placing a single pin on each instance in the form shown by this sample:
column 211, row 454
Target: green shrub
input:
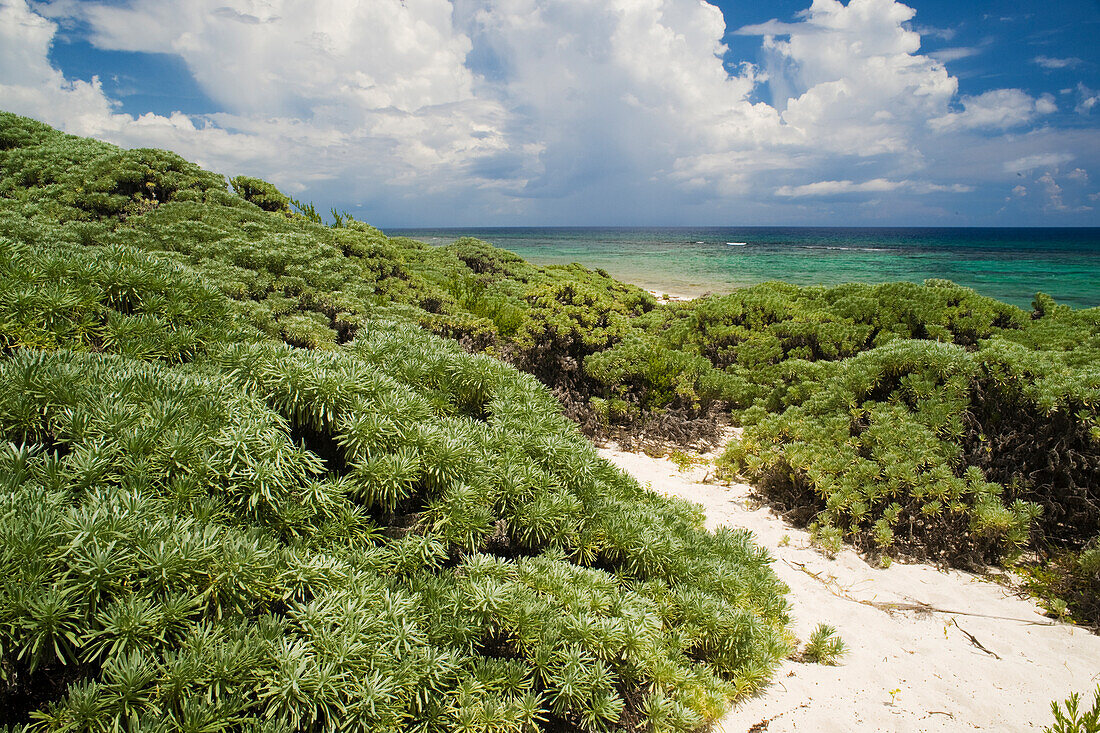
column 824, row 646
column 1073, row 719
column 113, row 299
column 235, row 441
column 651, row 375
column 206, row 510
column 261, row 193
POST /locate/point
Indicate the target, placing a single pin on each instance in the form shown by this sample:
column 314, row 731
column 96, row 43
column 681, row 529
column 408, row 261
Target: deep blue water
column 1008, row 264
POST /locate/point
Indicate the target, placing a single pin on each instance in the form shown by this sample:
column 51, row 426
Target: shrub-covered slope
column 923, row 420
column 244, row 488
column 383, row 529
column 916, row 419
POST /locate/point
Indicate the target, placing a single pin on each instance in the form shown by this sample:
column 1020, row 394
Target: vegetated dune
column 265, row 472
column 928, row 649
column 244, row 488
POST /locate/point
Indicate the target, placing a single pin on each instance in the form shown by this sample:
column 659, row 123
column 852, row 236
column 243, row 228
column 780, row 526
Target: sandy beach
column 668, row 297
column 928, row 650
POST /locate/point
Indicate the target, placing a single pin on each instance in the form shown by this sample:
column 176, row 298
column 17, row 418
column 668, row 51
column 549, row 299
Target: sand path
column 957, row 652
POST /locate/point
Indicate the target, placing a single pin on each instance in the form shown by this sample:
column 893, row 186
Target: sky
column 418, row 113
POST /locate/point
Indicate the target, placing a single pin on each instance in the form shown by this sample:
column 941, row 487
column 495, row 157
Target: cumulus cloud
column 1088, row 98
column 1078, row 175
column 375, row 94
column 281, row 58
column 997, row 109
column 1053, row 191
column 509, row 109
column 1058, row 199
column 619, row 88
column 856, row 76
column 30, row 85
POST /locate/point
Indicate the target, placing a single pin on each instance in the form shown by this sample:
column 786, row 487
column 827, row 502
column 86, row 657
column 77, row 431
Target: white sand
column 668, row 297
column 943, row 680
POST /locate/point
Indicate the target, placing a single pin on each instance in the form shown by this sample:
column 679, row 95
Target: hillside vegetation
column 268, row 473
column 245, row 486
column 913, row 420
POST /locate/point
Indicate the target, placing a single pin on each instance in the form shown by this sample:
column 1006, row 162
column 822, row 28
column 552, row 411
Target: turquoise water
column 1008, row 264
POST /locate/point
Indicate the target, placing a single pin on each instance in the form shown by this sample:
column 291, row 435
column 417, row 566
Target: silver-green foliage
column 875, row 446
column 167, row 537
column 824, row 646
column 1073, row 719
column 243, row 489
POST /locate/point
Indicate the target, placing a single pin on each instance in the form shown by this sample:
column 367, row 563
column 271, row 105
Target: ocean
column 1010, row 265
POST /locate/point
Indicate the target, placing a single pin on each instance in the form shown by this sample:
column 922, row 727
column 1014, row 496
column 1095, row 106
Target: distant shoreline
column 668, row 297
column 1008, row 264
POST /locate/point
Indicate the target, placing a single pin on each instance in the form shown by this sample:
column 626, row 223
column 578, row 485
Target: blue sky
column 644, row 112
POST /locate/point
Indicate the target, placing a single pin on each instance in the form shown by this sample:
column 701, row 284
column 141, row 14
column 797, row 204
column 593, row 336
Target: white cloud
column 1042, row 160
column 850, row 82
column 1055, row 63
column 281, row 58
column 997, row 109
column 614, row 88
column 946, row 34
column 857, row 76
column 29, row 85
column 311, row 92
column 1089, row 98
column 1056, row 195
column 773, row 27
column 833, row 188
column 1053, row 191
column 947, row 55
column 925, row 187
column 506, row 110
column 876, row 185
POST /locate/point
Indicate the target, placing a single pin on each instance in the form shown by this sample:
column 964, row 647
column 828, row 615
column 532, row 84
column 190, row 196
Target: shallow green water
column 1008, row 264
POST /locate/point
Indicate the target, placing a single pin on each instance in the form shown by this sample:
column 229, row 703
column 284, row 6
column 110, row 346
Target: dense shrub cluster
column 917, row 419
column 244, row 488
column 292, row 277
column 872, row 455
column 249, row 486
column 166, row 536
column 78, row 179
column 57, row 293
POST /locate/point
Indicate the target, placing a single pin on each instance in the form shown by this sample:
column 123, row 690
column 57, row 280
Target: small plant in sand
column 1059, row 609
column 826, row 538
column 824, row 646
column 1073, row 720
column 785, row 540
column 894, row 694
column 685, row 461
